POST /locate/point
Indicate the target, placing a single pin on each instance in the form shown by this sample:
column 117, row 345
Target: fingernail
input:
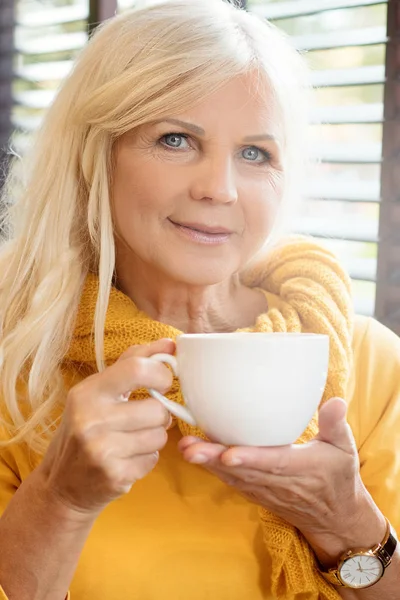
column 199, row 459
column 233, row 461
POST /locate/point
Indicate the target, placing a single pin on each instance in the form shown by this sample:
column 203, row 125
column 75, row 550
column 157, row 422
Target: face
column 196, row 194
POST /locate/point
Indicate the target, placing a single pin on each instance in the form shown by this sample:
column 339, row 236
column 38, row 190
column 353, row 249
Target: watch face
column 361, row 571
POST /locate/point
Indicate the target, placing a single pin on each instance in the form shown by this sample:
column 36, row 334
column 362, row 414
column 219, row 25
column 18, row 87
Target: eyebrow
column 260, row 137
column 194, row 128
column 200, row 131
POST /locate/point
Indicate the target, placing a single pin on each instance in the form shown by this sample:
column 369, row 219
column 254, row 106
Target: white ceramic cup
column 249, row 389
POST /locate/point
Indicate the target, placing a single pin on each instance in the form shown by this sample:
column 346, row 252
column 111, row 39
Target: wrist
column 54, row 507
column 41, row 541
column 362, row 527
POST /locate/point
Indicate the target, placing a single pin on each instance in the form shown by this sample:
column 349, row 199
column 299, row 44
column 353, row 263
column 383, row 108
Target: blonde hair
column 138, row 67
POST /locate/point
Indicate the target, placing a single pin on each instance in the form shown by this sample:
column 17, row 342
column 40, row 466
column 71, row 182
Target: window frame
column 7, row 20
column 387, row 301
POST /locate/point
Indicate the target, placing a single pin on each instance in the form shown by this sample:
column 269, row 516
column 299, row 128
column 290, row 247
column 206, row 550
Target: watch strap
column 331, row 575
column 387, row 547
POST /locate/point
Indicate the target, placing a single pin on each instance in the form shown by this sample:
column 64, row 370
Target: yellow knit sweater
column 314, row 297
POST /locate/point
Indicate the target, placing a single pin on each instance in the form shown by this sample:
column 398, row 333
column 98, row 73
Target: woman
column 169, row 159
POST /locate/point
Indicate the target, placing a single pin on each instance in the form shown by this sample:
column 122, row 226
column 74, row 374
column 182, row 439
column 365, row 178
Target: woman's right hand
column 103, row 445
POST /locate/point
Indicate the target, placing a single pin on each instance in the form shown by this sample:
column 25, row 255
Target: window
column 352, row 199
column 48, row 36
column 346, row 49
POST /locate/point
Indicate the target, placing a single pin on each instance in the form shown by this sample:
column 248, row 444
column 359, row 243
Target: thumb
column 333, row 426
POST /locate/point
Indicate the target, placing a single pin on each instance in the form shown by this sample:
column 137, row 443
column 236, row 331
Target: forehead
column 244, row 106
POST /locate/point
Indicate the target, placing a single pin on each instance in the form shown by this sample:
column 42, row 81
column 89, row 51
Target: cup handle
column 174, row 408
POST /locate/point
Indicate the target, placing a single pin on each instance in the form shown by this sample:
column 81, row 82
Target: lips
column 201, row 234
column 202, row 228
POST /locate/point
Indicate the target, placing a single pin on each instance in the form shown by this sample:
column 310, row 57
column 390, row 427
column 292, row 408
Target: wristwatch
column 361, row 568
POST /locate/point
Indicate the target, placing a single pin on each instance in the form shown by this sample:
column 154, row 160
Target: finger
column 333, row 426
column 224, row 476
column 163, row 346
column 280, row 460
column 129, row 470
column 130, row 374
column 201, row 453
column 188, row 441
column 137, row 415
column 145, row 441
column 241, row 478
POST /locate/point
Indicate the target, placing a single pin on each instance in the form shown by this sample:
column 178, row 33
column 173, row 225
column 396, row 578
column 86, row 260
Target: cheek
column 137, row 195
column 262, row 206
column 145, row 185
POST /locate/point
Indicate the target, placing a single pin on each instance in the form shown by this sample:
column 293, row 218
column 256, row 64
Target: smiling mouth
column 202, row 234
column 203, row 228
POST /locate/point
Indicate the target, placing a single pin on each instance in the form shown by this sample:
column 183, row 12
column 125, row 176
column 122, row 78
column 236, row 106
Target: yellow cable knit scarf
column 309, row 292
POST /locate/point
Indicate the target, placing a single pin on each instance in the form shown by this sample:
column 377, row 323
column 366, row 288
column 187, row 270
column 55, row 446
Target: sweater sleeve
column 378, row 416
column 11, row 462
column 9, row 477
column 4, row 597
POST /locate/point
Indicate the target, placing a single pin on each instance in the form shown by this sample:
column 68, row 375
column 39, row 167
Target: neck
column 222, row 307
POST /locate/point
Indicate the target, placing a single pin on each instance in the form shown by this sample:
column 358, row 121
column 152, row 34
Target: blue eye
column 174, row 140
column 254, row 154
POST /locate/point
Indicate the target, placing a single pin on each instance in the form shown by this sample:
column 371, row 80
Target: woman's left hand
column 316, row 486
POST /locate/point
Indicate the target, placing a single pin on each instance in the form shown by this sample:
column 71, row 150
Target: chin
column 202, row 275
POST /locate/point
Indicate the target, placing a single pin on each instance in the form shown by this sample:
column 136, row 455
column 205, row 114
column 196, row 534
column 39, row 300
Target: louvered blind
column 6, row 61
column 344, row 42
column 48, row 35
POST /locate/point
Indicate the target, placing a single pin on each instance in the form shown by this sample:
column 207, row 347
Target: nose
column 215, row 181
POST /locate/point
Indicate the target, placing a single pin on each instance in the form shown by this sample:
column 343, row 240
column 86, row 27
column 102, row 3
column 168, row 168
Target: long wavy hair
column 138, row 67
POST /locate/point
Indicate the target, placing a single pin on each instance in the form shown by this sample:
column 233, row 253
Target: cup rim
column 246, row 334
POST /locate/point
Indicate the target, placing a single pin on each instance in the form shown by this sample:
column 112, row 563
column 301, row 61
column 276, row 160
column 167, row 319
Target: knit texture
column 311, row 293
